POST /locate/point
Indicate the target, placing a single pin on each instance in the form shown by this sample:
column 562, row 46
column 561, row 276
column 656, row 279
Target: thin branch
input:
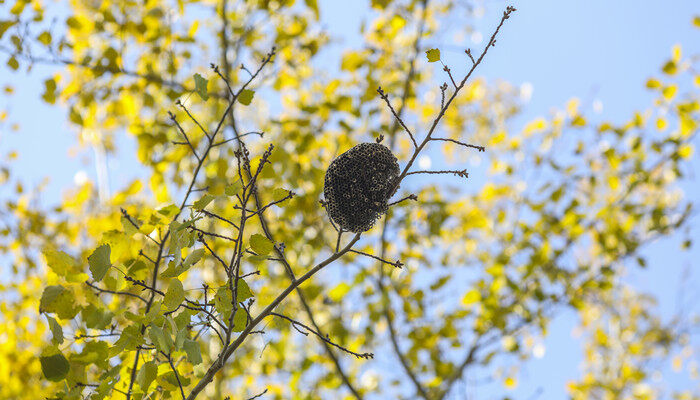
column 337, row 243
column 179, row 103
column 449, row 73
column 409, row 197
column 443, row 88
column 480, row 148
column 182, row 132
column 201, row 240
column 211, row 214
column 258, row 395
column 397, row 264
column 287, row 197
column 398, row 118
column 99, row 289
column 212, row 234
column 177, row 376
column 78, row 337
column 469, row 53
column 242, row 135
column 297, row 325
column 461, row 173
column 142, row 254
column 144, row 285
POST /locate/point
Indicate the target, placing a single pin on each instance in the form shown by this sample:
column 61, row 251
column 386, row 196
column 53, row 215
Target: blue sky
column 600, row 51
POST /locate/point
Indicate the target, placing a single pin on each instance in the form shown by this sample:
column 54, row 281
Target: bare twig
column 409, row 197
column 298, row 325
column 480, row 148
column 398, row 118
column 397, row 264
column 182, row 132
column 177, row 376
column 99, row 289
column 461, row 173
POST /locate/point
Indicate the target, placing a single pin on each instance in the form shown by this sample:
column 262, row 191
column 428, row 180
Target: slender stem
column 177, row 376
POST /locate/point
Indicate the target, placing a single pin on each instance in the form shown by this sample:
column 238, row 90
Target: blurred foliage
column 567, row 209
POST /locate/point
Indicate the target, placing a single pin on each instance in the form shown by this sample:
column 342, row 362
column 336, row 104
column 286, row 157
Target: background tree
column 137, row 287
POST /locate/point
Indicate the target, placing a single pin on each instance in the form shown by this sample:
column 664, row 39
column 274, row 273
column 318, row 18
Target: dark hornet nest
column 358, row 186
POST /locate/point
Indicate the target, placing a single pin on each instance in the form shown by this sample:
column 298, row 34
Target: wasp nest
column 358, row 186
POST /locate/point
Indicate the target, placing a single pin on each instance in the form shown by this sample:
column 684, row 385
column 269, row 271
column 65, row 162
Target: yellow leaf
column 670, row 68
column 661, row 123
column 537, row 125
column 572, row 107
column 676, row 53
column 510, row 383
column 686, row 150
column 670, row 91
column 433, row 55
column 653, row 83
column 578, row 121
column 471, row 297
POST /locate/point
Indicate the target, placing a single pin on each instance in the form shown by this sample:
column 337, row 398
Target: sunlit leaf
column 433, row 55
column 100, row 262
column 200, row 86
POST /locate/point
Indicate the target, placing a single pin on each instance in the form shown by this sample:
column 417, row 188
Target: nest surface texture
column 358, row 186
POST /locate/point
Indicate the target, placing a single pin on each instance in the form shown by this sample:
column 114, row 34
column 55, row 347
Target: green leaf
column 5, row 25
column 240, row 320
column 243, row 292
column 193, row 258
column 174, row 296
column 200, row 86
column 147, row 374
column 169, row 211
column 279, row 193
column 203, row 202
column 158, row 337
column 194, row 354
column 222, row 299
column 433, row 55
column 45, row 38
column 49, row 296
column 233, row 188
column 59, row 262
column 246, row 96
column 96, row 318
column 55, row 367
column 129, row 228
column 260, row 244
column 130, row 338
column 56, row 331
column 12, row 63
column 99, row 262
column 154, row 311
column 59, row 300
column 180, row 339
